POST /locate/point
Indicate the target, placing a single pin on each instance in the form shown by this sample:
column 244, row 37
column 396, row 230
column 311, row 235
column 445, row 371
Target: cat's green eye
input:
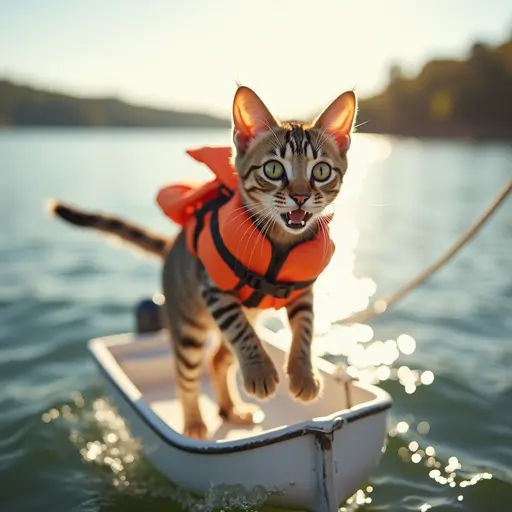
column 321, row 171
column 273, row 170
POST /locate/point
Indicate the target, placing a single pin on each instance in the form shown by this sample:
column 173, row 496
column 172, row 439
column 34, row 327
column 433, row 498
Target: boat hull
column 313, row 461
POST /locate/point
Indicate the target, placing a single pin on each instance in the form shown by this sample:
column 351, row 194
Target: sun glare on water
column 338, row 291
column 102, row 439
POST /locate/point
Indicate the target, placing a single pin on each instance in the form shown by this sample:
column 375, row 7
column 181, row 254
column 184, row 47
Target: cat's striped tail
column 122, row 230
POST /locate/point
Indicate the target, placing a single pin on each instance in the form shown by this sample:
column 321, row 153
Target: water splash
column 103, row 441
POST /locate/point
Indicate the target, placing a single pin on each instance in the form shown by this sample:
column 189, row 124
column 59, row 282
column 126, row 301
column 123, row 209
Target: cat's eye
column 321, row 171
column 273, row 170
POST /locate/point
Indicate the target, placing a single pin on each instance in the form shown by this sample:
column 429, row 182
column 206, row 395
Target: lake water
column 444, row 353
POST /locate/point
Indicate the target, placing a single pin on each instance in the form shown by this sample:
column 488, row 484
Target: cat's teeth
column 302, row 223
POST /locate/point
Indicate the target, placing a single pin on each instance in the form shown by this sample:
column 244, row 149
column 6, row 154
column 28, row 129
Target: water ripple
column 443, row 353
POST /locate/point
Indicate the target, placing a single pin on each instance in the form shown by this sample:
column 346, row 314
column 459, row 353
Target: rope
column 382, row 305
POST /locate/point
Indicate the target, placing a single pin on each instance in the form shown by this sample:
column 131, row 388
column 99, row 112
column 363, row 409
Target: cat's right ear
column 250, row 118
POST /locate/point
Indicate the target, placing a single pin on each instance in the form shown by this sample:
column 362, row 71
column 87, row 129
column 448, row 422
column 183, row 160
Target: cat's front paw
column 260, row 377
column 305, row 383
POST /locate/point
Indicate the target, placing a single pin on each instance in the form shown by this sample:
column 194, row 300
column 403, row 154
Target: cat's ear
column 250, row 117
column 338, row 119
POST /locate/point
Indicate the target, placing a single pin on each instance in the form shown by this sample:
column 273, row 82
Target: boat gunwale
column 126, row 389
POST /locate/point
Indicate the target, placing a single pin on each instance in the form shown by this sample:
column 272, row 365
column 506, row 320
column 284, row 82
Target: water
column 444, row 353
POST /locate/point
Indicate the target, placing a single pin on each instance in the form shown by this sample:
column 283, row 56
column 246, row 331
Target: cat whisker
column 248, row 222
column 360, row 124
column 254, row 230
column 242, row 210
column 325, row 227
column 269, row 225
column 321, row 139
column 270, row 220
column 271, row 129
column 264, row 230
column 255, row 222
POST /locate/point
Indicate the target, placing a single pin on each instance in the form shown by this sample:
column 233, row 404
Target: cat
column 290, row 173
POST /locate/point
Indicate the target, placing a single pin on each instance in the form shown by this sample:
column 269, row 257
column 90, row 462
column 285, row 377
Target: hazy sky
column 296, row 54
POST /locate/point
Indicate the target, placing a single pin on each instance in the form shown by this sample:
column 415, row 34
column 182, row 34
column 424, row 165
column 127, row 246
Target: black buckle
column 280, row 291
column 253, row 280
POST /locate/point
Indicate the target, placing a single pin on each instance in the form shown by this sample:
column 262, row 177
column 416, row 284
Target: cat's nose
column 300, row 199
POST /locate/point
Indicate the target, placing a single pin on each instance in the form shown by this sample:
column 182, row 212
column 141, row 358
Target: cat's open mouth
column 296, row 219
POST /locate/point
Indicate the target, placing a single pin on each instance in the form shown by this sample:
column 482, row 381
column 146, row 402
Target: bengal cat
column 290, row 173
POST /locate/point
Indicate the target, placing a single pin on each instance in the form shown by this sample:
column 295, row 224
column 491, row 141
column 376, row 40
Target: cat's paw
column 260, row 377
column 195, row 429
column 305, row 383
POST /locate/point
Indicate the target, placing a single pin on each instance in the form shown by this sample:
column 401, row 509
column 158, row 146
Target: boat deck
column 149, row 366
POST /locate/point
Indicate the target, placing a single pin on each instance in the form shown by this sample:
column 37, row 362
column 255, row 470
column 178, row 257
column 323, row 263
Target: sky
column 296, row 54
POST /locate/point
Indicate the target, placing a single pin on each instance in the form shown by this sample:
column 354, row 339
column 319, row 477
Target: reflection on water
column 403, row 204
column 338, row 293
column 100, row 435
column 103, row 439
column 449, row 472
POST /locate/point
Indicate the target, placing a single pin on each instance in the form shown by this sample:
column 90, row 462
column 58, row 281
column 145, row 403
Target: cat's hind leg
column 189, row 352
column 189, row 324
column 231, row 407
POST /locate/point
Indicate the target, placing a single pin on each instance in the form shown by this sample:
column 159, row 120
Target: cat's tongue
column 296, row 216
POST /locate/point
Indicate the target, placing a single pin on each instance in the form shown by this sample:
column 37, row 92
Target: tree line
column 469, row 97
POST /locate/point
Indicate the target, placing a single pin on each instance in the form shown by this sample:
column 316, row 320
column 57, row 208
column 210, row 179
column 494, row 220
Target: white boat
column 307, row 457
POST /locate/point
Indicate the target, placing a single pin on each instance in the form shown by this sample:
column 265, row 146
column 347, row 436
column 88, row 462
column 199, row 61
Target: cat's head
column 290, row 172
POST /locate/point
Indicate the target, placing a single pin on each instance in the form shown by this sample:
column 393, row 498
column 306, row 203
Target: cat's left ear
column 250, row 117
column 338, row 119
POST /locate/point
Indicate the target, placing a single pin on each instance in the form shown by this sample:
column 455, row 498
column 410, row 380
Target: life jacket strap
column 224, row 196
column 263, row 285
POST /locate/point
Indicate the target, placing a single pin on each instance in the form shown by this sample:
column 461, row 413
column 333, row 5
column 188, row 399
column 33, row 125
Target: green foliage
column 469, row 97
column 25, row 106
column 463, row 98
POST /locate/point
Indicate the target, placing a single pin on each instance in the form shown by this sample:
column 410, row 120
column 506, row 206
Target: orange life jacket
column 237, row 256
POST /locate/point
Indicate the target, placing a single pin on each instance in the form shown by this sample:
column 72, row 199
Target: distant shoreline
column 25, row 106
column 445, row 134
column 108, row 127
column 449, row 99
